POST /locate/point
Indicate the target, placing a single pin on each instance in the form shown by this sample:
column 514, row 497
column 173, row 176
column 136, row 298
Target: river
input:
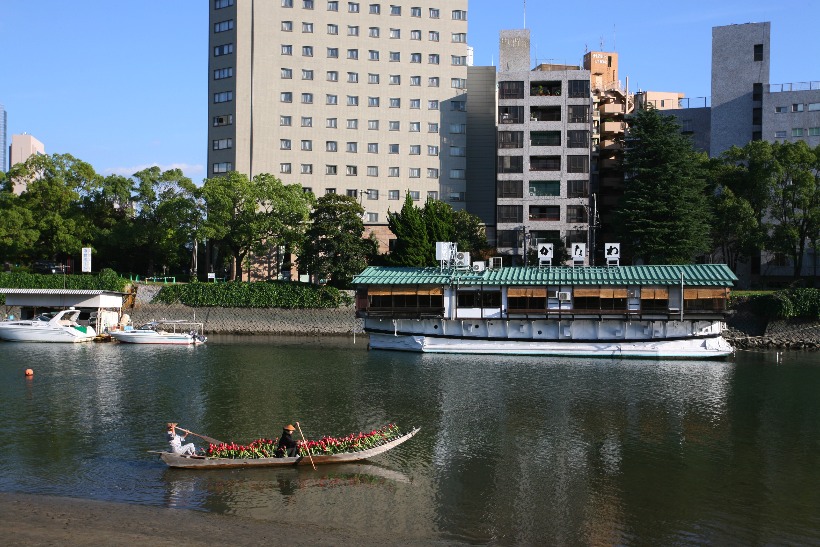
column 511, row 449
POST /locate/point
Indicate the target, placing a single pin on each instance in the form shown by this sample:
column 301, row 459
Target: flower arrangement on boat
column 266, row 448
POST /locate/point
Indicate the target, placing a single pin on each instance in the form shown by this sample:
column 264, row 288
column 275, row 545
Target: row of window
column 353, row 54
column 515, row 139
column 576, row 113
column 373, row 194
column 354, row 30
column 551, row 213
column 512, row 238
column 797, row 107
column 798, row 132
column 353, row 77
column 286, row 168
column 353, row 100
column 515, row 164
column 577, row 89
column 375, row 9
column 353, row 123
column 372, row 148
column 542, row 188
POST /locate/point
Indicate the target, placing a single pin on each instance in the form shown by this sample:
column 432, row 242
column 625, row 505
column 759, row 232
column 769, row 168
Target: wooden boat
column 203, row 462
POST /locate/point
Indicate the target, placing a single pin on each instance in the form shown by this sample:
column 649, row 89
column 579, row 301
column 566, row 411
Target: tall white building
column 360, row 98
column 22, row 148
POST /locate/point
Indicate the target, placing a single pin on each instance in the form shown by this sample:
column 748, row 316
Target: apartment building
column 4, row 161
column 359, row 98
column 543, row 164
column 22, row 147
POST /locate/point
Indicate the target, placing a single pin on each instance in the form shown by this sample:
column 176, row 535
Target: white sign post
column 545, row 254
column 612, row 253
column 579, row 253
column 86, row 259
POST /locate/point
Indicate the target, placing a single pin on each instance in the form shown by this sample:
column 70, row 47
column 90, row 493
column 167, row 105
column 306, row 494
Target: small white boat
column 179, row 333
column 47, row 327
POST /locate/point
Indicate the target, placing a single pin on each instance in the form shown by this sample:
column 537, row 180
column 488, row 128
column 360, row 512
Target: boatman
column 287, row 446
column 176, row 441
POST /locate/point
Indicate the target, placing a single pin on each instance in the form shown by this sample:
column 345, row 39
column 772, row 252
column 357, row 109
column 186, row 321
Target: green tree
column 664, row 213
column 17, row 228
column 412, row 245
column 469, row 233
column 334, row 248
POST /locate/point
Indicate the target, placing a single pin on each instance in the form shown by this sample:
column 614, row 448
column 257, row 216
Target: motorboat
column 61, row 326
column 169, row 332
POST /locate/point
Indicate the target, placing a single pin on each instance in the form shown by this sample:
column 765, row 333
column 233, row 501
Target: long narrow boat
column 203, row 462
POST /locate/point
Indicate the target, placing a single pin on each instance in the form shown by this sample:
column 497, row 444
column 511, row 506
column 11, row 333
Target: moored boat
column 58, row 327
column 179, row 333
column 661, row 312
column 206, row 462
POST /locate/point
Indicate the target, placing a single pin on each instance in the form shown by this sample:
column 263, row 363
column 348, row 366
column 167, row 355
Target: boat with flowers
column 262, row 452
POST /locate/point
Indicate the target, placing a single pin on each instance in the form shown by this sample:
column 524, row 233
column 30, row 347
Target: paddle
column 203, row 437
column 306, row 448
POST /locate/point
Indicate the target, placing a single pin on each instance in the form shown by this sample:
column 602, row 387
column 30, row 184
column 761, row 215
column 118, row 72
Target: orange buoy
column 29, row 373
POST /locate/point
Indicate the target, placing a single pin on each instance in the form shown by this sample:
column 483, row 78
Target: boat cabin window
column 520, row 299
column 479, row 299
column 599, row 299
column 705, row 299
column 404, row 298
column 654, row 299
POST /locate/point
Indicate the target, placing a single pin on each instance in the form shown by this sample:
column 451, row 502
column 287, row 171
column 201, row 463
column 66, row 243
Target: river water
column 511, row 450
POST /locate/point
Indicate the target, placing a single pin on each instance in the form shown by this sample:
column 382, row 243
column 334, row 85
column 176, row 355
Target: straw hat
column 172, row 425
column 289, row 428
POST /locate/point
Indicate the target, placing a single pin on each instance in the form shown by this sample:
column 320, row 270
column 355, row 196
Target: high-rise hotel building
column 359, row 98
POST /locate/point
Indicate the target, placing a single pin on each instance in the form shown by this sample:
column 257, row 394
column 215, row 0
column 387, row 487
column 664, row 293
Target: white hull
column 136, row 337
column 19, row 333
column 580, row 338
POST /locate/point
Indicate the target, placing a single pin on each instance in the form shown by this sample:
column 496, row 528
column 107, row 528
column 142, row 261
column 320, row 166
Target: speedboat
column 48, row 327
column 181, row 333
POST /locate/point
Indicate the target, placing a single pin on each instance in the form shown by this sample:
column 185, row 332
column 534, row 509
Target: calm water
column 512, row 450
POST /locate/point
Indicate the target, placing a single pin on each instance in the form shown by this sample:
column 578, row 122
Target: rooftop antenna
column 602, row 43
column 613, row 38
column 525, row 14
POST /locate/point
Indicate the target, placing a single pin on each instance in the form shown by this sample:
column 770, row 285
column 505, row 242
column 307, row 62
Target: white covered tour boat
column 180, row 333
column 48, row 327
column 614, row 311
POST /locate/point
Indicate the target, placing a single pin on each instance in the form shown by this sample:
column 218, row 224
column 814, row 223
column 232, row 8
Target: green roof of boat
column 694, row 275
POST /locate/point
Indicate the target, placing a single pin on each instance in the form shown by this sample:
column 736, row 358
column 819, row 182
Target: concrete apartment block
column 481, row 145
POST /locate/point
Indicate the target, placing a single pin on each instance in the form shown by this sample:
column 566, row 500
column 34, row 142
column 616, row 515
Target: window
column 814, row 131
column 545, row 188
column 433, row 81
column 393, row 172
column 306, row 168
column 395, row 57
column 414, row 195
column 352, row 100
column 372, row 148
column 287, row 73
column 415, row 127
column 432, row 127
column 225, row 49
column 433, row 105
column 458, row 60
column 458, row 151
column 287, row 3
column 352, row 123
column 433, row 58
column 458, row 128
column 510, row 164
column 351, row 170
column 353, row 54
column 307, row 121
column 352, row 193
column 375, row 9
column 457, row 174
column 333, row 53
column 415, row 35
column 307, row 74
column 372, row 171
column 223, row 97
column 353, row 7
column 307, row 51
column 307, row 145
column 352, row 30
column 393, row 194
column 577, row 114
column 307, row 98
column 577, row 164
column 459, row 15
column 222, row 144
column 395, row 10
column 814, row 107
column 222, row 167
column 797, row 107
column 757, row 91
column 797, row 132
column 331, row 170
column 372, row 101
column 395, row 33
column 578, row 89
column 779, row 134
column 307, row 4
column 459, row 37
column 285, row 121
column 352, row 77
column 223, row 120
column 284, row 168
column 307, row 28
column 415, row 80
column 395, row 102
column 509, row 189
column 510, row 213
column 395, row 79
column 545, row 138
column 333, row 5
column 415, row 173
column 415, row 12
column 510, row 139
column 373, row 125
column 393, row 148
column 394, row 125
column 333, row 29
column 332, row 76
column 219, row 4
column 576, row 188
column 577, row 213
column 352, row 147
column 373, row 32
column 510, row 114
column 415, row 57
column 331, row 146
column 758, row 52
column 287, row 49
column 372, row 217
column 222, row 26
column 372, row 78
column 373, row 55
column 458, row 106
column 577, row 139
column 432, row 173
column 284, row 144
column 222, row 73
column 511, row 90
column 415, row 149
column 287, row 26
column 434, row 13
column 433, row 36
column 331, row 123
column 545, row 212
column 757, row 116
column 432, row 150
column 458, row 83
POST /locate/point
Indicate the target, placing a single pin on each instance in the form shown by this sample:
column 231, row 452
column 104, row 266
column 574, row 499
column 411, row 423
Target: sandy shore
column 48, row 520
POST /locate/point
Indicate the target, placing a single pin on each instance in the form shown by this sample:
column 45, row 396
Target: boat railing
column 403, row 313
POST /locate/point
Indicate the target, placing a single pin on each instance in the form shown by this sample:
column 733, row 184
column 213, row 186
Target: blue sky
column 123, row 85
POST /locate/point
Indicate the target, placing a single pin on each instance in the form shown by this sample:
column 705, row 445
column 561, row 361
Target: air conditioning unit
column 552, row 294
column 496, row 263
column 478, row 266
column 462, row 260
column 564, row 296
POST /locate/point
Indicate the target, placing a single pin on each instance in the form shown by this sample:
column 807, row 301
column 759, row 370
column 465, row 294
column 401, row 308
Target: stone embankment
column 792, row 335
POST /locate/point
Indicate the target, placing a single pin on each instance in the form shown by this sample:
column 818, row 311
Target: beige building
column 659, row 100
column 22, row 148
column 359, row 98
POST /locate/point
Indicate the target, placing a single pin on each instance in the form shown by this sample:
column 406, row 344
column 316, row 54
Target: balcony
column 611, row 108
column 611, row 144
column 613, row 127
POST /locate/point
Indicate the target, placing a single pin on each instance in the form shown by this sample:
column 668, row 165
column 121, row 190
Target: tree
column 412, row 245
column 334, row 248
column 17, row 228
column 663, row 213
column 469, row 234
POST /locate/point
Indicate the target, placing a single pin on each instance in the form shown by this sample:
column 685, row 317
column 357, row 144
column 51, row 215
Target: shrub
column 260, row 294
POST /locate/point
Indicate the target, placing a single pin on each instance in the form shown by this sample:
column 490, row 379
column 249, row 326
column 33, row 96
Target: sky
column 123, row 85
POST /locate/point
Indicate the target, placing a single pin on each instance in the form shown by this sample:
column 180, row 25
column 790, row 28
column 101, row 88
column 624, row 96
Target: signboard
column 212, row 276
column 545, row 252
column 86, row 259
column 612, row 251
column 579, row 251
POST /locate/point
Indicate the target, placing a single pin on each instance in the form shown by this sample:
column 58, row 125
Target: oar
column 203, row 437
column 306, row 448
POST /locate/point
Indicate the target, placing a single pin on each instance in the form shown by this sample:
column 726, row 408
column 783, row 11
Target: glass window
column 433, row 36
column 352, row 30
column 395, row 102
column 395, row 79
column 307, row 27
column 307, row 74
column 393, row 194
column 307, row 51
column 287, row 26
column 415, row 149
column 287, row 73
column 375, row 9
column 353, row 7
column 394, row 125
column 352, row 123
column 415, row 80
column 395, row 10
column 434, row 13
column 332, row 76
column 284, row 168
column 285, row 120
column 331, row 123
column 415, row 35
column 353, row 54
column 373, row 32
column 373, row 125
column 393, row 172
column 395, row 33
column 307, row 145
column 352, row 100
column 333, row 29
column 307, row 98
column 415, row 127
column 373, row 101
column 352, row 170
column 432, row 127
column 415, row 173
column 306, row 169
column 393, row 148
column 331, row 146
column 307, row 121
column 457, row 174
column 333, row 52
column 330, row 170
column 797, row 132
column 459, row 15
column 433, row 58
column 372, row 148
column 333, row 5
column 372, row 78
column 284, row 144
column 373, row 55
column 352, row 77
column 415, row 12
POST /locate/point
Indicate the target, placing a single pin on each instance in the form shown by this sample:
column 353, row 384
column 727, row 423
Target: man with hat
column 287, row 446
column 176, row 441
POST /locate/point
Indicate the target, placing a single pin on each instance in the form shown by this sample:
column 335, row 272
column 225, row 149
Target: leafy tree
column 17, row 228
column 664, row 214
column 736, row 229
column 334, row 248
column 469, row 234
column 412, row 244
